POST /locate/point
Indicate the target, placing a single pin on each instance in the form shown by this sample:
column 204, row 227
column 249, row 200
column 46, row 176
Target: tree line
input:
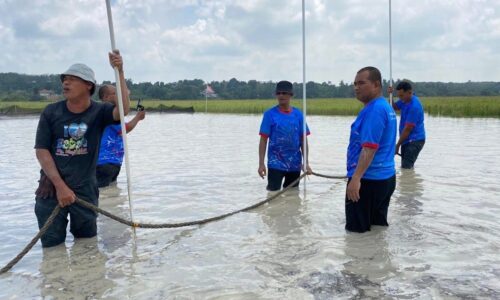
column 14, row 86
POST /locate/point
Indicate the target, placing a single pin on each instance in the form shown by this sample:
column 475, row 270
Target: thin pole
column 206, row 98
column 391, row 100
column 120, row 109
column 304, row 101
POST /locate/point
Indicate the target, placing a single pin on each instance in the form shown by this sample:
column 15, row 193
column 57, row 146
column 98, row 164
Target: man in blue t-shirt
column 283, row 126
column 411, row 126
column 111, row 150
column 370, row 155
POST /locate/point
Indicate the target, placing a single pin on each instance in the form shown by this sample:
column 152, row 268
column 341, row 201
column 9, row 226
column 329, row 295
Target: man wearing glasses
column 282, row 125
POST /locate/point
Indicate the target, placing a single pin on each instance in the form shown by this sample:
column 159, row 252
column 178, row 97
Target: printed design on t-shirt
column 74, row 141
column 111, row 150
column 285, row 148
column 354, row 147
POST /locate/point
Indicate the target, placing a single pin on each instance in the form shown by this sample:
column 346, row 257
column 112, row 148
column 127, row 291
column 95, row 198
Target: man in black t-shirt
column 67, row 145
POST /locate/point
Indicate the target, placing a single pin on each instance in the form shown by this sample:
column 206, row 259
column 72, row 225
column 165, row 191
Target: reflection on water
column 411, row 189
column 369, row 266
column 79, row 270
column 442, row 242
column 283, row 216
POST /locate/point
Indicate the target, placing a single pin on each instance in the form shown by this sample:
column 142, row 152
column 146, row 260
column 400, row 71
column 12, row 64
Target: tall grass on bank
column 462, row 106
column 435, row 106
column 314, row 106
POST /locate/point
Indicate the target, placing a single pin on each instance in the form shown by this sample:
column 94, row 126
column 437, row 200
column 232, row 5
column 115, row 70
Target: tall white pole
column 206, row 98
column 304, row 101
column 391, row 100
column 120, row 109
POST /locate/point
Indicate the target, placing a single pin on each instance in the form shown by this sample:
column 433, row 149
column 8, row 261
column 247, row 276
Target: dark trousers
column 106, row 174
column 83, row 221
column 275, row 178
column 409, row 153
column 372, row 207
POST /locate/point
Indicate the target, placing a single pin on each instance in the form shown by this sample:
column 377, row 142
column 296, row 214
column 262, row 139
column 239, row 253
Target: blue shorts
column 83, row 221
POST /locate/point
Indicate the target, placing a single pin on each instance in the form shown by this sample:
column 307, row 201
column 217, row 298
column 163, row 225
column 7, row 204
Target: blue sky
column 167, row 40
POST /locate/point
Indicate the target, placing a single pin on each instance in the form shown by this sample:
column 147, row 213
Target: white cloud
column 170, row 40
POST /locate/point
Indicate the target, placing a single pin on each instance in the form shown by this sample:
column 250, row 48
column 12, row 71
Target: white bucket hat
column 83, row 72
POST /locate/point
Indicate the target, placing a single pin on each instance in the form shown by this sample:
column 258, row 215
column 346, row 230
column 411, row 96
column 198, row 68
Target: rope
column 147, row 225
column 183, row 224
column 329, row 176
column 33, row 241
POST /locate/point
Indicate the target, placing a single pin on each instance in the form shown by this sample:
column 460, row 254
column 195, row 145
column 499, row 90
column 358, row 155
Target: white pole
column 391, row 100
column 120, row 108
column 206, row 98
column 304, row 102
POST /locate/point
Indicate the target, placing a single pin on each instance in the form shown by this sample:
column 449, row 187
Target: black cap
column 284, row 86
column 404, row 85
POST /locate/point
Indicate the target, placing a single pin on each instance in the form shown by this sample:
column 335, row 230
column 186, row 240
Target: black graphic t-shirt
column 73, row 140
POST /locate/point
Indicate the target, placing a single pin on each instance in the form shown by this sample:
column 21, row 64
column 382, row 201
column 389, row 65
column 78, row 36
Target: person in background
column 411, row 126
column 67, row 146
column 111, row 150
column 370, row 155
column 283, row 126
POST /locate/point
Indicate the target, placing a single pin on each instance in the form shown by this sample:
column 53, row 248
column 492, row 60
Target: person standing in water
column 282, row 126
column 370, row 155
column 67, row 145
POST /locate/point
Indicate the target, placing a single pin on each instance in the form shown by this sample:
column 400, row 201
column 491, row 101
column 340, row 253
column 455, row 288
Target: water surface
column 442, row 242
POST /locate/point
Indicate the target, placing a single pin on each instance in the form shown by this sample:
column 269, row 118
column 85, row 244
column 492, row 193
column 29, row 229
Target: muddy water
column 442, row 242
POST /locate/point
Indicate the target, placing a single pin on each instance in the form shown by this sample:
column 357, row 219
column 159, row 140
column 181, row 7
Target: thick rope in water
column 183, row 224
column 33, row 241
column 328, row 176
column 146, row 225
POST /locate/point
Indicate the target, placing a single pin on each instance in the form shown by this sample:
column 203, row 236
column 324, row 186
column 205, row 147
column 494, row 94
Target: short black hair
column 373, row 74
column 404, row 85
column 284, row 86
column 102, row 91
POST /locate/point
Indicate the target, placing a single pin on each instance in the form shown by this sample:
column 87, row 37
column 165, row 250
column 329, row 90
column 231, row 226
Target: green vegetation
column 339, row 106
column 435, row 106
column 15, row 86
column 462, row 106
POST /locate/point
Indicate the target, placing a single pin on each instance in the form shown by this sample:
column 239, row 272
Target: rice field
column 436, row 106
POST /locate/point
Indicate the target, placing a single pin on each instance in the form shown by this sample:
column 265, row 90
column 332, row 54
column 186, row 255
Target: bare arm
column 262, row 154
column 140, row 115
column 115, row 59
column 65, row 196
column 364, row 161
column 403, row 136
column 389, row 91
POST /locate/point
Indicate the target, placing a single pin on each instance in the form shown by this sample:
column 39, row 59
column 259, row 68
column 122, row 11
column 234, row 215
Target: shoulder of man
column 416, row 98
column 270, row 110
column 53, row 108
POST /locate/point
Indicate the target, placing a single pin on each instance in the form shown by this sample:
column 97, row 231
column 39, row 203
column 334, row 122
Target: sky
column 171, row 40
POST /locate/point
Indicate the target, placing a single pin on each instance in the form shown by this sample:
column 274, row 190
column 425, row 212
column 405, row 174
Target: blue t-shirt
column 375, row 127
column 285, row 132
column 412, row 113
column 111, row 149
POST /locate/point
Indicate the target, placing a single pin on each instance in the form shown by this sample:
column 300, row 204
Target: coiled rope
column 148, row 225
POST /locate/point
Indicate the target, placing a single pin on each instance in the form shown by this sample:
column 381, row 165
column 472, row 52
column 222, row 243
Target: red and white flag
column 209, row 90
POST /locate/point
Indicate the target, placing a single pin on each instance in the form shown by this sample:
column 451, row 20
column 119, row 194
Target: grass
column 314, row 106
column 463, row 106
column 436, row 106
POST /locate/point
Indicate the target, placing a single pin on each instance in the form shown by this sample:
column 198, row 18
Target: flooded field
column 443, row 241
